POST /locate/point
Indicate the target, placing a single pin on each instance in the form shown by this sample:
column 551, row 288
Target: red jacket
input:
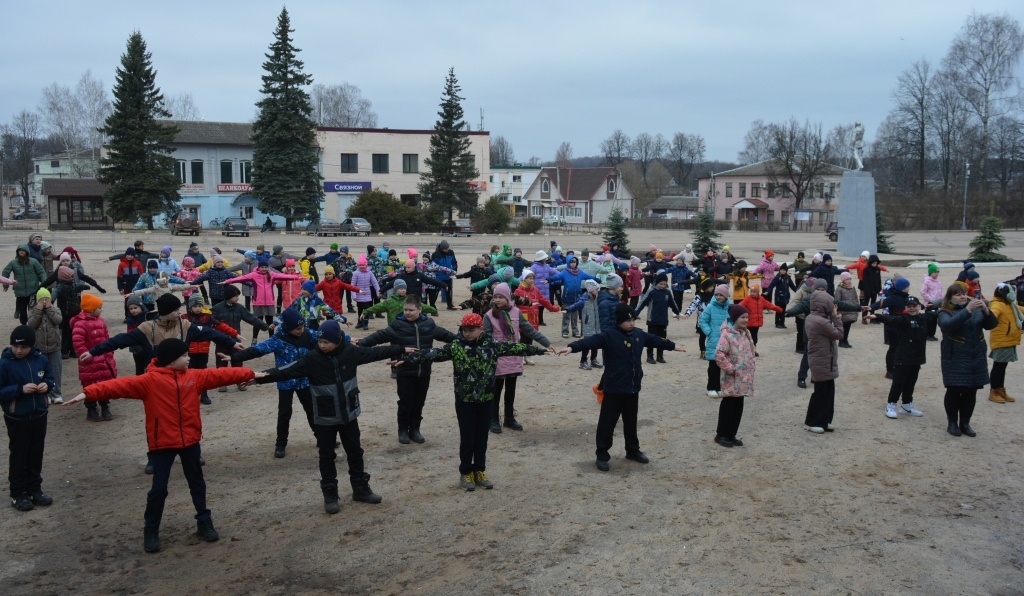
column 636, row 281
column 207, row 320
column 861, row 265
column 537, row 300
column 332, row 290
column 88, row 332
column 755, row 305
column 170, row 398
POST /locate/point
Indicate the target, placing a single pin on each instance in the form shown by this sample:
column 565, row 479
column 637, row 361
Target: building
column 76, row 203
column 356, row 159
column 510, row 183
column 674, row 207
column 579, row 195
column 748, row 198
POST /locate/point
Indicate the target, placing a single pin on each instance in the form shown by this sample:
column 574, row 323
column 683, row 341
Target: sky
column 542, row 72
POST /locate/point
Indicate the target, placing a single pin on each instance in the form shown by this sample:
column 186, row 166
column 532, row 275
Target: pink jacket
column 88, row 332
column 735, row 356
column 507, row 365
column 636, row 281
column 364, row 280
column 767, row 269
column 189, row 274
column 263, row 285
column 932, row 290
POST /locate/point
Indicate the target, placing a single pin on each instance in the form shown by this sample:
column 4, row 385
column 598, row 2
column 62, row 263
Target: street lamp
column 967, row 177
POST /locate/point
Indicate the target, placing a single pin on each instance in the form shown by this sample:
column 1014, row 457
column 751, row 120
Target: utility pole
column 967, row 178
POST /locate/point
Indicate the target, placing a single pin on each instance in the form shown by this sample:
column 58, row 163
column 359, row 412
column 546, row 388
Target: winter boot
column 362, row 492
column 149, row 464
column 151, row 540
column 206, row 531
column 331, row 499
column 205, row 399
column 510, row 415
column 105, row 411
column 1006, row 398
column 403, row 435
column 994, row 395
column 93, row 414
column 496, row 425
column 416, row 435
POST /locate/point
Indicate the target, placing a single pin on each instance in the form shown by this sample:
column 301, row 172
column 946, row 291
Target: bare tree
column 796, row 158
column 683, row 154
column 894, row 172
column 983, row 61
column 756, row 143
column 182, row 107
column 19, row 139
column 73, row 117
column 563, row 157
column 616, row 148
column 533, row 162
column 914, row 99
column 501, row 152
column 839, row 146
column 1007, row 151
column 951, row 125
column 342, row 106
column 646, row 150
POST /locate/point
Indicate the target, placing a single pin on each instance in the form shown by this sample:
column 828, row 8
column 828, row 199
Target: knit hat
column 412, row 252
column 528, row 273
column 507, row 272
column 725, row 248
column 590, row 285
column 330, row 331
column 816, row 257
column 472, row 320
column 259, row 247
column 623, row 266
column 481, row 259
column 23, row 335
column 540, row 256
column 129, row 251
column 289, row 262
column 195, row 299
column 605, row 248
column 659, row 255
column 517, row 251
column 736, row 311
column 166, row 249
column 933, row 268
column 152, row 264
column 769, row 254
column 334, row 246
column 585, row 252
column 362, row 260
column 217, row 259
column 277, row 248
column 968, row 265
column 820, row 284
column 250, row 254
column 136, row 300
column 503, row 291
column 623, row 313
column 291, row 319
column 188, row 262
column 845, row 275
column 42, row 293
column 901, row 284
column 310, row 251
column 167, row 304
column 328, row 270
column 343, row 249
column 865, row 254
column 741, row 264
column 722, row 289
column 64, row 257
column 972, row 275
column 554, row 243
column 634, row 260
column 309, row 286
column 91, row 303
column 192, row 245
column 826, row 257
column 170, row 350
column 262, row 260
column 784, row 267
column 370, row 249
column 400, row 283
column 230, row 291
column 660, row 278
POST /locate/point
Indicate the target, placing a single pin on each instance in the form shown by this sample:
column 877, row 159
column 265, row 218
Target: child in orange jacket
column 756, row 304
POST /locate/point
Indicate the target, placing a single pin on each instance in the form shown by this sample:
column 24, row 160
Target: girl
column 870, row 285
column 590, row 320
column 264, row 303
column 188, row 273
column 735, row 357
column 165, row 264
column 756, row 304
column 741, row 279
column 964, row 371
column 715, row 313
column 931, row 295
column 1004, row 339
column 333, row 289
column 767, row 268
column 366, row 281
column 290, row 289
column 88, row 330
column 846, row 293
column 527, row 289
column 70, row 280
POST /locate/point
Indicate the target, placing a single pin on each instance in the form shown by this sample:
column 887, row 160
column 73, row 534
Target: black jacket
column 419, row 334
column 910, row 337
column 234, row 314
column 622, row 353
column 414, row 282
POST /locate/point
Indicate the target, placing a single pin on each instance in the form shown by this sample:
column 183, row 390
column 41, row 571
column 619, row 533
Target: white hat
column 541, row 256
column 689, row 246
column 865, row 254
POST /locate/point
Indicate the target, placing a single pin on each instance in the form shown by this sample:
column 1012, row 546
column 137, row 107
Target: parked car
column 832, row 231
column 454, row 227
column 356, row 226
column 186, row 223
column 235, row 225
column 323, row 227
column 553, row 220
column 30, row 214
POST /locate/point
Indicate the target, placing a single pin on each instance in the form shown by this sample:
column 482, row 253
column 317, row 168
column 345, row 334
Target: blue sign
column 347, row 187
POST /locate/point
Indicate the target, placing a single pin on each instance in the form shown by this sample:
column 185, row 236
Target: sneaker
column 205, row 530
column 585, row 366
column 56, row 399
column 480, row 478
column 815, row 429
column 565, row 334
column 21, row 503
column 661, row 361
column 712, row 393
column 801, row 383
column 574, row 334
column 595, row 363
column 466, row 481
column 911, row 410
column 890, row 411
column 495, row 426
column 41, row 498
column 242, row 387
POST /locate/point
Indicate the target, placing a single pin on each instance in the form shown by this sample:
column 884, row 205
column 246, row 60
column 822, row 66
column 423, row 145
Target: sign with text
column 191, row 189
column 347, row 187
column 234, row 187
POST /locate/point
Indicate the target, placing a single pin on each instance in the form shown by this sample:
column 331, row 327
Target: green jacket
column 29, row 275
column 393, row 306
column 474, row 363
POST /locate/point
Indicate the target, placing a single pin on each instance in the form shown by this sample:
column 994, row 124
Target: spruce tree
column 704, row 235
column 881, row 238
column 616, row 231
column 138, row 166
column 988, row 241
column 285, row 177
column 451, row 165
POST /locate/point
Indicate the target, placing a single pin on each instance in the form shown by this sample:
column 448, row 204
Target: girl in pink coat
column 735, row 357
column 264, row 302
column 88, row 330
column 364, row 279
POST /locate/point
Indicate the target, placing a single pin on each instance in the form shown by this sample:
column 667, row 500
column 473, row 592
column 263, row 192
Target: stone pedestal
column 857, row 214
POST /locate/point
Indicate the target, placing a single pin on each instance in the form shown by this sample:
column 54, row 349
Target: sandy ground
column 879, row 506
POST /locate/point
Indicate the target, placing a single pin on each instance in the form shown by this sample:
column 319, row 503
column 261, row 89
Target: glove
column 102, row 291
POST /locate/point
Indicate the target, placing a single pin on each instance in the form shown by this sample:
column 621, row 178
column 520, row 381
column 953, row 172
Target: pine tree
column 881, row 238
column 285, row 177
column 988, row 241
column 138, row 167
column 451, row 165
column 616, row 231
column 704, row 235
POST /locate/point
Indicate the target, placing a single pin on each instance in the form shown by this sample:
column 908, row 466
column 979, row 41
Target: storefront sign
column 234, row 187
column 191, row 189
column 478, row 184
column 347, row 187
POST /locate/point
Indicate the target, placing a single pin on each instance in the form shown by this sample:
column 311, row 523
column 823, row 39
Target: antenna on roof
column 482, row 119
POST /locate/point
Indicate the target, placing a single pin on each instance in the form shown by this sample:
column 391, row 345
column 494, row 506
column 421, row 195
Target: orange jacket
column 755, row 305
column 170, row 398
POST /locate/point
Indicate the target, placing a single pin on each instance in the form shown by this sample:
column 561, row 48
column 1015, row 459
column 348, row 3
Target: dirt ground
column 880, row 506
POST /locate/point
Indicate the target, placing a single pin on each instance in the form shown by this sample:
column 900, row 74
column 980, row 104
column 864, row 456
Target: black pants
column 714, row 376
column 998, row 376
column 162, row 460
column 753, row 333
column 474, row 426
column 556, row 294
column 269, row 320
column 583, row 356
column 284, row 411
column 508, row 383
column 360, row 307
column 677, row 295
column 730, row 412
column 26, row 440
column 702, row 340
column 846, row 330
column 822, row 404
column 800, row 334
column 959, row 403
column 21, row 308
column 662, row 332
column 614, row 406
column 633, row 302
column 432, row 295
column 867, row 300
column 348, row 300
column 199, row 361
column 248, row 302
column 931, row 319
column 904, row 378
column 349, row 435
column 801, row 375
column 412, row 394
column 780, row 317
column 141, row 362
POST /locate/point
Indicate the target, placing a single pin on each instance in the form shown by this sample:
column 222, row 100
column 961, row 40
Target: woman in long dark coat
column 963, row 348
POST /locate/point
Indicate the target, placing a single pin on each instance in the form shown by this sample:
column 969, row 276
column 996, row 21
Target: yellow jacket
column 1007, row 333
column 741, row 284
column 209, row 263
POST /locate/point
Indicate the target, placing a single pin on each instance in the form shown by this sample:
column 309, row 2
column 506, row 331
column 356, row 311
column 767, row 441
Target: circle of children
column 599, row 296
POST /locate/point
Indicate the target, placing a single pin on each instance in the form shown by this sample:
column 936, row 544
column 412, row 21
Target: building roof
column 762, row 168
column 750, row 204
column 676, row 203
column 75, row 154
column 198, row 132
column 73, row 187
column 577, row 184
column 403, row 131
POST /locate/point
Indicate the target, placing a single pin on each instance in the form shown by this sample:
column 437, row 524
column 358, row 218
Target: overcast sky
column 543, row 72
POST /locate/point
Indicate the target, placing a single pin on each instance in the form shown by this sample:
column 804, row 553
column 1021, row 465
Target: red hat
column 472, row 320
column 605, row 248
column 769, row 254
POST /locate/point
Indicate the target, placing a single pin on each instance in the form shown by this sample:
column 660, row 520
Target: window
column 728, row 189
column 574, row 212
column 55, row 164
column 246, row 212
column 771, row 190
column 180, row 170
column 536, row 211
column 517, row 199
column 380, row 163
column 545, row 185
column 491, row 178
column 786, row 193
column 349, row 163
column 226, row 168
column 197, row 172
column 743, row 190
column 410, row 163
column 785, row 218
column 37, row 168
column 611, row 186
column 832, row 190
column 516, row 178
column 755, row 190
column 79, row 211
column 771, row 216
column 728, row 214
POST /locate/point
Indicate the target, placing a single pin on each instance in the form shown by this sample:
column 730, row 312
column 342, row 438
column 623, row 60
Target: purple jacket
column 365, row 280
column 541, row 273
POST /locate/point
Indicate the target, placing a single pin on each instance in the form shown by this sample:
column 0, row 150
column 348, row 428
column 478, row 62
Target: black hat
column 152, row 264
column 170, row 350
column 623, row 313
column 913, row 300
column 231, row 291
column 310, row 251
column 660, row 278
column 23, row 335
column 167, row 304
column 784, row 267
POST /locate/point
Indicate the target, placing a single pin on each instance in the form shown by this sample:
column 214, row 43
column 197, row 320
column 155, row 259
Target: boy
column 170, row 396
column 474, row 357
column 909, row 355
column 25, row 379
column 199, row 351
column 393, row 305
column 232, row 313
column 415, row 330
column 778, row 290
column 44, row 319
column 623, row 346
column 331, row 370
column 660, row 299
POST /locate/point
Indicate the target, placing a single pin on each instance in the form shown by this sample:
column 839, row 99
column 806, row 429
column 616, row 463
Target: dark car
column 356, row 226
column 30, row 214
column 235, row 225
column 186, row 223
column 323, row 227
column 454, row 227
column 832, row 230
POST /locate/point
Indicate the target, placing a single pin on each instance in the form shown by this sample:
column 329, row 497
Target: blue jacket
column 606, row 303
column 14, row 374
column 148, row 281
column 286, row 349
column 781, row 285
column 681, row 277
column 659, row 302
column 445, row 259
column 622, row 352
column 711, row 324
column 572, row 283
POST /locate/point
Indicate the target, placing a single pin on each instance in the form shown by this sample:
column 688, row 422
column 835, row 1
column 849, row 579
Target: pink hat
column 411, row 261
column 188, row 262
column 845, row 275
column 289, row 262
column 362, row 260
column 722, row 289
column 413, row 253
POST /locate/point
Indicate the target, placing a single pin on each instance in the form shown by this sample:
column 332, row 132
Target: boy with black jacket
column 782, row 285
column 909, row 353
column 623, row 346
column 331, row 370
column 659, row 299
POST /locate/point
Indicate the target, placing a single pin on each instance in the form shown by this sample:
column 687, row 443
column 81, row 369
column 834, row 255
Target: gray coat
column 963, row 347
column 47, row 326
column 823, row 331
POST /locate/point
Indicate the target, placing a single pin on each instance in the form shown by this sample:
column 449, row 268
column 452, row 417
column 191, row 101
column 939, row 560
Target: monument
column 857, row 206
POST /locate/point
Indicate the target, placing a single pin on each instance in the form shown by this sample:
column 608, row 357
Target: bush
column 988, row 241
column 492, row 218
column 385, row 212
column 530, row 225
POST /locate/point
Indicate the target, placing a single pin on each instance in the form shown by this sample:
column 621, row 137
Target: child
column 166, row 264
column 393, row 305
column 660, row 300
column 715, row 313
column 704, row 295
column 88, row 330
column 129, row 270
column 149, row 279
column 572, row 279
column 292, row 341
column 28, row 278
column 931, row 295
column 1004, row 339
column 333, row 289
column 870, row 285
column 232, row 313
column 291, row 288
column 590, row 323
column 188, row 273
column 169, row 391
column 825, row 270
column 25, row 380
column 635, row 279
column 734, row 355
column 756, row 304
column 313, row 308
column 623, row 345
column 474, row 356
column 416, row 330
column 528, row 290
column 767, row 268
column 264, row 303
column 163, row 286
column 682, row 277
column 778, row 290
column 45, row 319
column 741, row 281
column 137, row 315
column 910, row 354
column 216, row 275
column 366, row 281
column 846, row 293
column 331, row 370
column 199, row 351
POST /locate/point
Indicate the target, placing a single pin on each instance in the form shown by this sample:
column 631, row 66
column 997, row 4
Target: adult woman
column 735, row 357
column 824, row 327
column 1004, row 339
column 29, row 274
column 962, row 350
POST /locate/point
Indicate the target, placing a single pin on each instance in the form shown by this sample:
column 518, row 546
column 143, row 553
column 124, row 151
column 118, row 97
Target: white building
column 509, row 183
column 579, row 195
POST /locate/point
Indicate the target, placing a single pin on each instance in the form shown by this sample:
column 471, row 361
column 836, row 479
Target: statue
column 858, row 145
